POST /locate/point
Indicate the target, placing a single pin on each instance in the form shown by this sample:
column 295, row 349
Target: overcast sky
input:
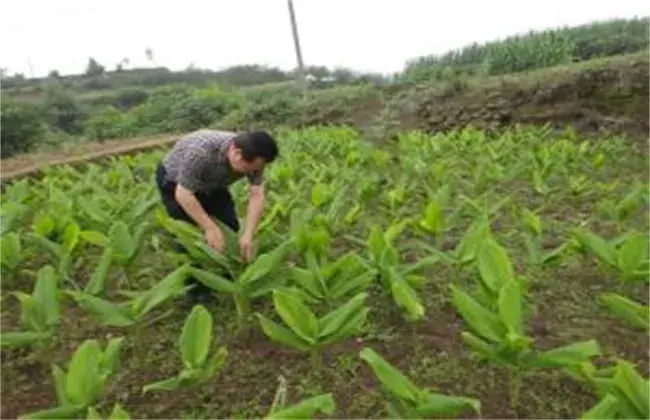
column 365, row 35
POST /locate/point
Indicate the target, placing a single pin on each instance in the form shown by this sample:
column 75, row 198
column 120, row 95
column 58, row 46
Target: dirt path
column 23, row 165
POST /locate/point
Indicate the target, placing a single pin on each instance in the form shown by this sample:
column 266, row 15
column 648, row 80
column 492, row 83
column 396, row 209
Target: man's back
column 198, row 160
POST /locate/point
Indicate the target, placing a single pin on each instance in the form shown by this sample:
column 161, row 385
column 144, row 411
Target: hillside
column 600, row 95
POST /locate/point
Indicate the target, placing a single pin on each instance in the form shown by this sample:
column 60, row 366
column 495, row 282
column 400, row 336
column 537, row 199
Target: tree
column 54, row 74
column 149, row 54
column 94, row 68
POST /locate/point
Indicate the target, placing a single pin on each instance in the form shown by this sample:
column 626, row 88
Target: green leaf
column 482, row 321
column 164, row 385
column 634, row 253
column 104, row 311
column 406, row 298
column 509, row 304
column 627, row 310
column 94, row 237
column 215, row 363
column 282, row 335
column 46, row 294
column 444, row 405
column 306, row 408
column 164, row 290
column 296, row 315
column 196, row 337
column 31, row 315
column 351, row 327
column 494, row 265
column 83, row 374
column 93, row 414
column 121, row 240
column 71, row 236
column 567, row 356
column 62, row 412
column 21, row 338
column 390, row 377
column 99, row 278
column 119, row 413
column 214, row 281
column 110, row 357
column 632, row 391
column 59, row 379
column 598, row 246
column 335, row 319
column 606, row 408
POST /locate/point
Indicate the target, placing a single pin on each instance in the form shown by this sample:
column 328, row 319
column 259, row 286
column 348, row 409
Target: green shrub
column 22, row 127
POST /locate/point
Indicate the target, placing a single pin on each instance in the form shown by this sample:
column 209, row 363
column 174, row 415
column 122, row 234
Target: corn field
column 462, row 274
column 536, row 49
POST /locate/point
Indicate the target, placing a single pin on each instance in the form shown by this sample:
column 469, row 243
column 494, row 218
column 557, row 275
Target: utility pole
column 302, row 79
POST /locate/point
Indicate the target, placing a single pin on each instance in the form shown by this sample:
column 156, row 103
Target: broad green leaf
column 167, row 288
column 445, row 405
column 121, row 240
column 494, row 265
column 282, row 335
column 10, row 339
column 104, row 311
column 634, row 253
column 335, row 319
column 119, row 413
column 606, row 408
column 603, row 250
column 390, row 377
column 94, row 237
column 30, row 312
column 406, row 298
column 59, row 379
column 83, row 373
column 214, row 281
column 110, row 357
column 99, row 278
column 632, row 391
column 306, row 408
column 62, row 412
column 296, row 315
column 196, row 337
column 485, row 323
column 216, row 361
column 46, row 293
column 567, row 356
column 351, row 327
column 164, row 385
column 71, row 236
column 509, row 304
column 627, row 310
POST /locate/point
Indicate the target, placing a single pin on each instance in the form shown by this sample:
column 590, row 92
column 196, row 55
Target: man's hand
column 215, row 239
column 246, row 247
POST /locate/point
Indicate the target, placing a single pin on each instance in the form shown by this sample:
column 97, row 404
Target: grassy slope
column 564, row 300
column 608, row 94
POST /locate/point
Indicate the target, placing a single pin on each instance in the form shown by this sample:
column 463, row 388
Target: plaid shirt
column 199, row 162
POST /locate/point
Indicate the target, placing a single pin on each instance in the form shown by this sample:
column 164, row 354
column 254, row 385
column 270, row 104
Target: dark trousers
column 218, row 204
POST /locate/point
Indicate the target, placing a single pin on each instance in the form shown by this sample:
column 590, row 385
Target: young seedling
column 628, row 256
column 623, row 395
column 497, row 323
column 304, row 409
column 194, row 343
column 40, row 312
column 82, row 385
column 630, row 312
column 306, row 332
column 408, row 401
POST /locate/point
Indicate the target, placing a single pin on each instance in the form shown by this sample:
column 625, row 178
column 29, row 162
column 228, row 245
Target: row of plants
column 464, row 217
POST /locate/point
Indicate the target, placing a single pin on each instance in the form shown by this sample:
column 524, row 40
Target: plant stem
column 514, row 382
column 243, row 306
column 316, row 359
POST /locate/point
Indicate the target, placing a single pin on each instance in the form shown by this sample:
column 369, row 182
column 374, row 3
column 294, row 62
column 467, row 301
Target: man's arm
column 254, row 212
column 191, row 205
column 190, row 174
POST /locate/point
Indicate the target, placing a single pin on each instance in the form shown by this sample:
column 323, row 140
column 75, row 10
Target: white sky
column 365, row 35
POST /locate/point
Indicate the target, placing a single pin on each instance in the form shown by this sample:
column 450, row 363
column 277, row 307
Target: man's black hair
column 257, row 144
